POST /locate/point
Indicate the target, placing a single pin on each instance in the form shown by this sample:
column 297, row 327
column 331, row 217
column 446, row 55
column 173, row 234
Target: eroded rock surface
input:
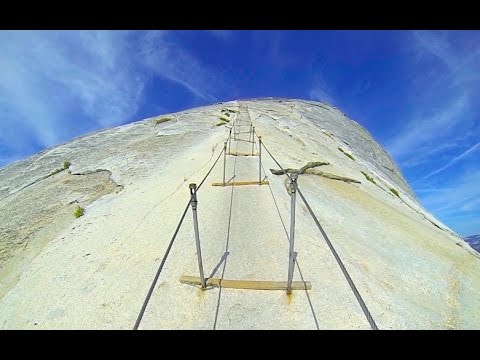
column 62, row 272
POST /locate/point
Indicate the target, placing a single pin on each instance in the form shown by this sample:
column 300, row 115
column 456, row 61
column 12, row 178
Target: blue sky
column 417, row 92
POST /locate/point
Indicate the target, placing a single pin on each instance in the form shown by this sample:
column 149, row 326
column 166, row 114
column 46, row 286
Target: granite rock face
column 62, row 272
column 473, row 241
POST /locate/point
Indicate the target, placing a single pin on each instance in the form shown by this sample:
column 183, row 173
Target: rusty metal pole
column 224, row 160
column 252, row 136
column 292, row 254
column 260, row 160
column 193, row 193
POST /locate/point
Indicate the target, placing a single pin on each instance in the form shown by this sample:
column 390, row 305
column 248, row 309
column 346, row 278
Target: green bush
column 79, row 212
column 220, row 123
column 56, row 171
column 369, row 178
column 162, row 120
column 347, row 154
column 224, row 119
column 330, row 135
column 66, row 165
column 395, row 192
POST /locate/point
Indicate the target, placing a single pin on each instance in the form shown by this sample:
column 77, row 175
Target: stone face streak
column 92, row 272
column 302, row 170
column 39, row 212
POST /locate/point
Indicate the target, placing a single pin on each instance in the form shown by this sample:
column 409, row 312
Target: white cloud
column 435, row 43
column 428, row 134
column 321, row 94
column 320, row 89
column 222, row 34
column 52, row 79
column 424, row 153
column 422, row 130
column 446, row 70
column 457, row 200
column 434, row 190
column 451, row 162
column 441, row 44
column 464, row 187
column 166, row 58
column 47, row 75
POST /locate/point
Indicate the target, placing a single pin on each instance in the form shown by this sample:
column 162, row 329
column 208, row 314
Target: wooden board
column 240, row 183
column 242, row 154
column 247, row 284
column 249, row 141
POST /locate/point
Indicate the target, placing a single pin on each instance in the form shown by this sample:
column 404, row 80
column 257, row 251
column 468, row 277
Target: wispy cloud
column 320, row 93
column 162, row 55
column 423, row 130
column 438, row 146
column 222, row 34
column 320, row 89
column 429, row 133
column 458, row 199
column 435, row 190
column 451, row 162
column 50, row 79
column 93, row 67
column 57, row 84
column 426, row 152
column 440, row 44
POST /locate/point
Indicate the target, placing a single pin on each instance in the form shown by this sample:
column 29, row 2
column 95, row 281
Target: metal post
column 253, row 137
column 193, row 192
column 291, row 254
column 229, row 141
column 260, row 160
column 224, row 160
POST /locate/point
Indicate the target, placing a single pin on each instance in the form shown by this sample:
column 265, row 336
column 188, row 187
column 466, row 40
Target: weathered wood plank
column 242, row 154
column 247, row 284
column 240, row 183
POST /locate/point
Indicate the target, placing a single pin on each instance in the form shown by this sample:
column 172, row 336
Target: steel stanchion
column 193, row 192
column 260, row 160
column 292, row 254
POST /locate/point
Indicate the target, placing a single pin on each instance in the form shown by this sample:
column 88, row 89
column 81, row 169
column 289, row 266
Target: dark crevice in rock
column 386, row 167
column 34, row 182
column 40, row 213
column 91, row 172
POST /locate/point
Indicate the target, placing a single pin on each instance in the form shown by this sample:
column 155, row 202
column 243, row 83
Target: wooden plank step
column 249, row 141
column 240, row 183
column 247, row 284
column 242, row 154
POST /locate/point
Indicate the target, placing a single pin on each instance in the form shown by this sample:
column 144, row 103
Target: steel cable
column 355, row 291
column 342, row 266
column 157, row 275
